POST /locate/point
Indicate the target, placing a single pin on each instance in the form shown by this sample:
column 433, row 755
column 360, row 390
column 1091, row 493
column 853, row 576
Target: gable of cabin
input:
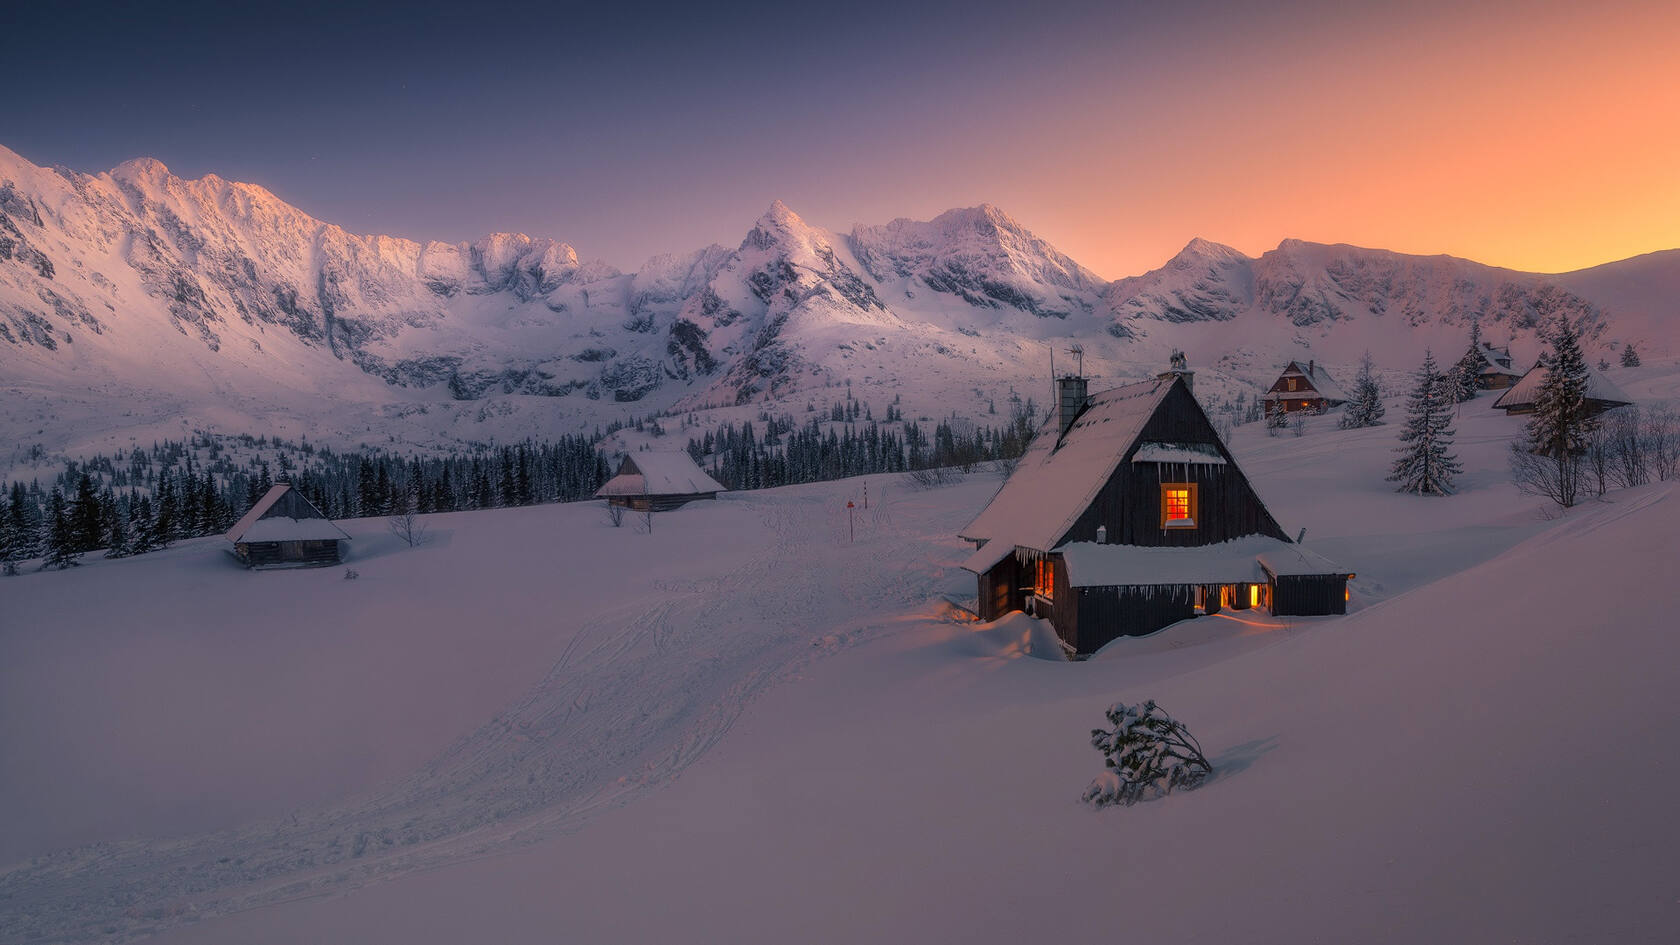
column 1135, row 507
column 1294, row 380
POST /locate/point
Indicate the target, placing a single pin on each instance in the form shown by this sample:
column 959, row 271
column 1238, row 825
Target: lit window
column 1293, row 384
column 1178, row 505
column 1044, row 579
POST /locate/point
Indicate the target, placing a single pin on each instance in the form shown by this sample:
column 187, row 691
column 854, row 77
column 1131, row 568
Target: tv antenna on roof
column 1078, row 352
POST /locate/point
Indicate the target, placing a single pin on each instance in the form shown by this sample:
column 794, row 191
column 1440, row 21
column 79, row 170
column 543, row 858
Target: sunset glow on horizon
column 1543, row 137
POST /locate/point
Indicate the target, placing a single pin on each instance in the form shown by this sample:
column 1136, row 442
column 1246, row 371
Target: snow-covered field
column 746, row 727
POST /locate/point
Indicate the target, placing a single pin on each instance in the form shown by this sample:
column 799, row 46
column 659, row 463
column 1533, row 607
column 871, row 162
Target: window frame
column 1193, row 506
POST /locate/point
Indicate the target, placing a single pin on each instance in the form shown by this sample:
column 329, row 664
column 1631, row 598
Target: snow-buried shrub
column 1147, row 753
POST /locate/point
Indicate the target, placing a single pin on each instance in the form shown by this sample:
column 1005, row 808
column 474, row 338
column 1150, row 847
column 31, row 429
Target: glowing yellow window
column 1178, row 505
column 1044, row 579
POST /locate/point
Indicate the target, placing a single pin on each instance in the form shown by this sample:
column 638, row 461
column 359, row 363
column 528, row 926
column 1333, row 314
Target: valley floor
column 746, row 727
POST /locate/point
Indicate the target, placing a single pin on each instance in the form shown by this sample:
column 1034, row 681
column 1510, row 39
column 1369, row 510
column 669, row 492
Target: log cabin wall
column 1129, row 504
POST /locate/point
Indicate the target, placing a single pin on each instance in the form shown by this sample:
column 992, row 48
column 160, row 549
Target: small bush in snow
column 934, row 477
column 350, row 574
column 615, row 515
column 1146, row 754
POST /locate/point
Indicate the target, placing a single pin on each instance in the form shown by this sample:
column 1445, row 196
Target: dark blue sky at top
column 1116, row 130
column 626, row 128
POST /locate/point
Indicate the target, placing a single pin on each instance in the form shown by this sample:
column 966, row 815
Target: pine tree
column 116, row 539
column 87, row 526
column 1425, row 465
column 1365, row 409
column 1461, row 381
column 61, row 535
column 1630, row 357
column 1561, row 422
column 141, row 526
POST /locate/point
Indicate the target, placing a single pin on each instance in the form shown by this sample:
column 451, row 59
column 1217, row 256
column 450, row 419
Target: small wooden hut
column 1494, row 371
column 1602, row 394
column 658, row 481
column 286, row 530
column 1301, row 387
column 1126, row 514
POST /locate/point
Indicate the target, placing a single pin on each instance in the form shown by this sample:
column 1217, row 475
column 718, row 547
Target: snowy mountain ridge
column 135, row 302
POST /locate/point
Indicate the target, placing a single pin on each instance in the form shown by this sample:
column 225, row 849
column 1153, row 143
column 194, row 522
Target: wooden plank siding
column 659, row 503
column 1106, row 614
column 1309, row 596
column 1129, row 504
column 313, row 553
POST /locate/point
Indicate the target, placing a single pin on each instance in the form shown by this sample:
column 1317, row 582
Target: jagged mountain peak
column 1199, row 250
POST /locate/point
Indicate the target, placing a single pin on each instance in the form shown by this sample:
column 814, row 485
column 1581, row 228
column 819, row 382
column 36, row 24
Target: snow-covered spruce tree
column 62, row 551
column 1365, row 408
column 1425, row 465
column 1548, row 461
column 1461, row 380
column 1147, row 753
column 1630, row 357
column 117, row 544
column 1561, row 422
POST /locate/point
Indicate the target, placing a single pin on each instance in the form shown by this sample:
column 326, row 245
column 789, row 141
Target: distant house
column 286, row 530
column 1309, row 388
column 1127, row 514
column 658, row 481
column 1602, row 395
column 1494, row 371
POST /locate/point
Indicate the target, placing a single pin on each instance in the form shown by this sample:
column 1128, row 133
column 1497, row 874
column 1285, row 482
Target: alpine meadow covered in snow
column 370, row 572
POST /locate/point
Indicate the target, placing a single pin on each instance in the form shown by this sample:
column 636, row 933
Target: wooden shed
column 286, row 530
column 658, row 481
column 1127, row 514
column 1307, row 387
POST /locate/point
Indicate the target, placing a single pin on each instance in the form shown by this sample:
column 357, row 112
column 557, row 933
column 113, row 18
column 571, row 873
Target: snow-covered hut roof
column 1492, row 357
column 1523, row 393
column 1239, row 561
column 987, row 556
column 1059, row 475
column 650, row 473
column 283, row 514
column 1317, row 376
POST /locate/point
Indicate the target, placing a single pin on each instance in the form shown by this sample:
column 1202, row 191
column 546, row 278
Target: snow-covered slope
column 1644, row 294
column 785, row 736
column 136, row 304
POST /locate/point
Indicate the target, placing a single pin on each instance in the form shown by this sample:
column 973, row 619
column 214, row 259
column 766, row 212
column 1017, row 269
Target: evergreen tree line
column 740, row 458
column 145, row 499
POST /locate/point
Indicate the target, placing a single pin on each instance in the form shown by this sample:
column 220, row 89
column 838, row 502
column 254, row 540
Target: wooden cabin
column 1495, row 371
column 1303, row 388
column 286, row 530
column 658, row 481
column 1602, row 394
column 1127, row 514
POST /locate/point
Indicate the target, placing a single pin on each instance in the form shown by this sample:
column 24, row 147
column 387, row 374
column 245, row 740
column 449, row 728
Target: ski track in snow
column 633, row 700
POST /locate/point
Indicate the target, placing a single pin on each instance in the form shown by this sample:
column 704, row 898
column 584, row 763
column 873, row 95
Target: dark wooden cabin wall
column 1129, row 504
column 999, row 589
column 1108, row 613
column 1309, row 596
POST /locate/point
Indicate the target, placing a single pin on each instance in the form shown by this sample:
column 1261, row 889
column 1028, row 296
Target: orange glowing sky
column 1539, row 136
column 1548, row 141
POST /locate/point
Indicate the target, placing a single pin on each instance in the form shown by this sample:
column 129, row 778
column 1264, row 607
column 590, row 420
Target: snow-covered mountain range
column 135, row 303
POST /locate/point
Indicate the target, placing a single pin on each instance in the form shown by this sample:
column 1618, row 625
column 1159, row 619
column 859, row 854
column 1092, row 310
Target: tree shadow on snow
column 1238, row 758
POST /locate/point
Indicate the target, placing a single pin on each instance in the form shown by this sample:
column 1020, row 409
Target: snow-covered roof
column 650, row 473
column 265, row 522
column 1058, row 476
column 1318, row 377
column 1239, row 561
column 1522, row 393
column 1195, row 454
column 987, row 556
column 1492, row 356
